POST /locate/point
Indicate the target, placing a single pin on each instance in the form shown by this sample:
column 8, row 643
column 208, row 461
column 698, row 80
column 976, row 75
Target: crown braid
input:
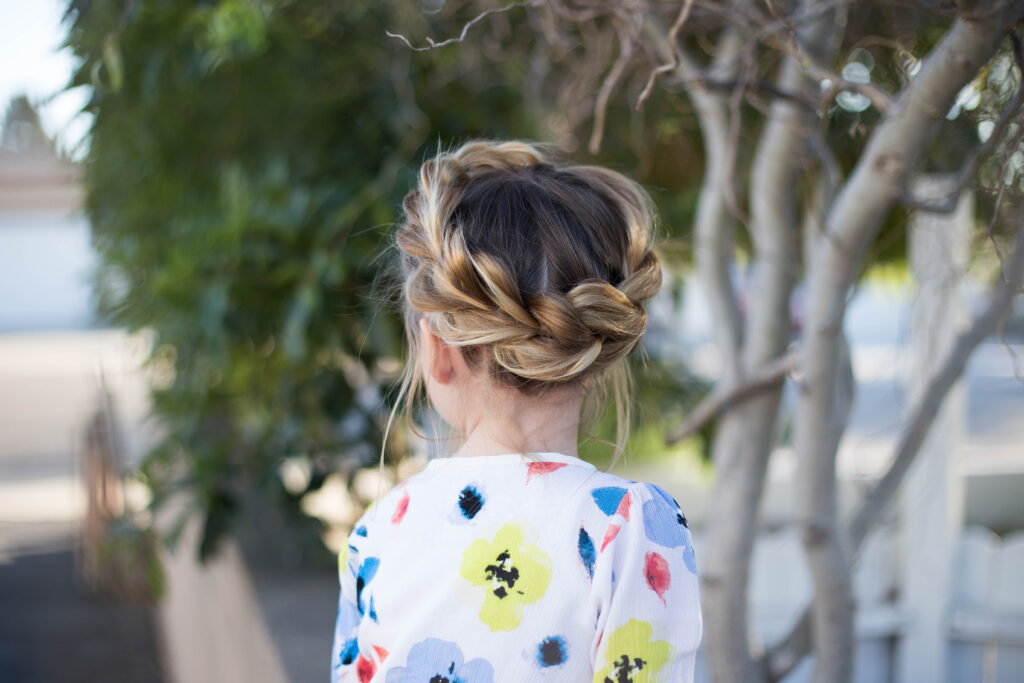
column 556, row 291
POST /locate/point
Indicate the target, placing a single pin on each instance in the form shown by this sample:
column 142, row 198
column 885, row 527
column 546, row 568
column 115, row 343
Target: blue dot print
column 470, row 502
column 551, row 651
column 587, row 553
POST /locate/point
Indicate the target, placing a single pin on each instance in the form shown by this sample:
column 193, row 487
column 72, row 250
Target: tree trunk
column 714, row 245
column 746, row 435
column 932, row 501
column 715, row 227
column 894, row 150
column 724, row 609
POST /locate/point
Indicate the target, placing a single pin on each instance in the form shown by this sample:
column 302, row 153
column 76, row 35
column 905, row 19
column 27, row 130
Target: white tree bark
column 721, row 580
column 893, row 151
column 746, row 434
column 784, row 656
column 932, row 506
column 714, row 230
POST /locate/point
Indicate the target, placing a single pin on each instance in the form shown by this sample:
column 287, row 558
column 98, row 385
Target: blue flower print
column 689, row 558
column 345, row 627
column 438, row 661
column 661, row 527
column 665, row 524
column 608, row 498
column 587, row 554
column 671, row 502
column 367, row 570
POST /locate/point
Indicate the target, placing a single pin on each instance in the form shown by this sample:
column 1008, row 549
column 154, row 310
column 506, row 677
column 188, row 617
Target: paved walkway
column 52, row 628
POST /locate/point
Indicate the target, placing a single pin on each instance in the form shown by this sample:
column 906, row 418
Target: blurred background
column 199, row 336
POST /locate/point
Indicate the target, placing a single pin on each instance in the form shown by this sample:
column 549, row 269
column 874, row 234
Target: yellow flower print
column 630, row 657
column 343, row 557
column 513, row 572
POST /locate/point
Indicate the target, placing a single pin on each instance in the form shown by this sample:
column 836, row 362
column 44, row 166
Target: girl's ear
column 438, row 356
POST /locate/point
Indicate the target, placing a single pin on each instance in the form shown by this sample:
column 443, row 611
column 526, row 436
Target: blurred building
column 45, row 254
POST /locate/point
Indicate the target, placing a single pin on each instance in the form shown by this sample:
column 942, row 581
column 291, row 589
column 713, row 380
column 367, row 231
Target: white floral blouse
column 510, row 568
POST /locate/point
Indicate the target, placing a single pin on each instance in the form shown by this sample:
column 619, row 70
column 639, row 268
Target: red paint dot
column 403, row 505
column 365, row 669
column 623, row 508
column 613, row 531
column 657, row 574
column 542, row 468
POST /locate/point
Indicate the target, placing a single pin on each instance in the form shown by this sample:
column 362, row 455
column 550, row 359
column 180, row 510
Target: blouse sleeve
column 645, row 583
column 345, row 650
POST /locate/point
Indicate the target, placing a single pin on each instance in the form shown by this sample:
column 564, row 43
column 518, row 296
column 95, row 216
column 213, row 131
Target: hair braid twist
column 548, row 313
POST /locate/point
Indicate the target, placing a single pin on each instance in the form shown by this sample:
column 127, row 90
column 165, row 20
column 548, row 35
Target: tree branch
column 950, row 369
column 724, row 398
column 431, row 45
column 601, row 103
column 744, row 436
column 735, row 125
column 814, row 66
column 714, row 240
column 673, row 37
column 880, row 99
column 757, row 85
column 948, row 203
column 783, row 658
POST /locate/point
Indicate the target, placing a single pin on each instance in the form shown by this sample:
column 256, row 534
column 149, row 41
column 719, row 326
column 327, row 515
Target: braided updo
column 538, row 269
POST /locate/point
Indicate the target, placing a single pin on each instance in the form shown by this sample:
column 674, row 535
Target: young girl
column 513, row 560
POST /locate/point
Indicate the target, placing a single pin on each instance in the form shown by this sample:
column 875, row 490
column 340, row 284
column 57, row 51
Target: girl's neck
column 507, row 421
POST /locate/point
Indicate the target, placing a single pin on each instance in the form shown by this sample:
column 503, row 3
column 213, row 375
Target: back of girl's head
column 539, row 271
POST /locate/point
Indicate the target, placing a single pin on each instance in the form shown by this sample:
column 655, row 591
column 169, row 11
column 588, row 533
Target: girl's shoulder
column 552, row 476
column 548, row 489
column 618, row 497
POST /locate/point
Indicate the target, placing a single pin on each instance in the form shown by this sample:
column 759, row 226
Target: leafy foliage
column 246, row 160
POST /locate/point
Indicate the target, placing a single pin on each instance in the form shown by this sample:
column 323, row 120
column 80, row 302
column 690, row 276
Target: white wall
column 45, row 261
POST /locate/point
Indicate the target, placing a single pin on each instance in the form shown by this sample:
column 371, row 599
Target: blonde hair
column 538, row 269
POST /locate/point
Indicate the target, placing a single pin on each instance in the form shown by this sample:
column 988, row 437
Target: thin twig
column 1014, row 358
column 578, row 16
column 881, row 100
column 765, row 30
column 673, row 36
column 991, row 232
column 948, row 203
column 721, row 400
column 601, row 102
column 431, row 45
column 756, row 85
column 815, row 69
column 735, row 121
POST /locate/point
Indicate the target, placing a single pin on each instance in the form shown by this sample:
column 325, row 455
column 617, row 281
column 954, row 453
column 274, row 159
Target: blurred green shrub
column 246, row 160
